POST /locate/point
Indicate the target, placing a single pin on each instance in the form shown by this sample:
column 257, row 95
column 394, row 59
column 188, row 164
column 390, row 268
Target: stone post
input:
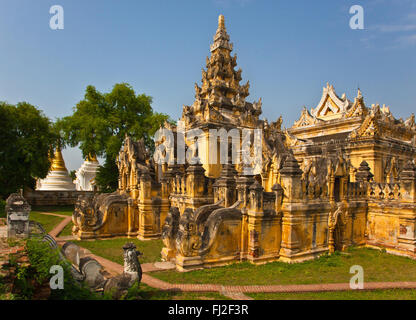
column 225, row 186
column 291, row 176
column 243, row 189
column 244, row 181
column 195, row 180
column 331, row 184
column 146, row 218
column 165, row 204
column 291, row 179
column 278, row 191
column 408, row 182
column 132, row 214
column 17, row 210
column 407, row 219
column 170, row 177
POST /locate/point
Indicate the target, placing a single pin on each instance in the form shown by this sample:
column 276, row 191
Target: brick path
column 234, row 292
column 58, row 229
column 236, row 295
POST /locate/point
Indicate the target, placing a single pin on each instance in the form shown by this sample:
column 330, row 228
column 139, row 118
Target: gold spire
column 221, row 38
column 221, row 22
column 58, row 163
column 92, row 158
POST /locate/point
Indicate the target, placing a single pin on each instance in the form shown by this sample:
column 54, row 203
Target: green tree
column 107, row 174
column 73, row 174
column 26, row 138
column 101, row 121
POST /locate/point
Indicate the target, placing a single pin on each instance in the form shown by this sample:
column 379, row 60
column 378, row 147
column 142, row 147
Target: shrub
column 42, row 257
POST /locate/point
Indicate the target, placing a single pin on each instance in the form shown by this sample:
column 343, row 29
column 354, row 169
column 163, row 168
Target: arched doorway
column 337, row 189
column 336, row 225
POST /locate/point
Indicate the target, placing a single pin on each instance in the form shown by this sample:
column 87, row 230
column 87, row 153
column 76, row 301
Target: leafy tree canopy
column 101, row 121
column 26, row 138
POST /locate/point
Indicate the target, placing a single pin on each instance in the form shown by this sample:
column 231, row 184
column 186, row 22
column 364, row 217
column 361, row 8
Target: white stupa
column 58, row 178
column 85, row 180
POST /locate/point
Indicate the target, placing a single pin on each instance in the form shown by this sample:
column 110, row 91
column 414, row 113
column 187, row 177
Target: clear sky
column 287, row 49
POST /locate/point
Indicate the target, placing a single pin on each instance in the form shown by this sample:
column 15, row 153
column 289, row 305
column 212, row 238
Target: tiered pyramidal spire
column 221, row 99
column 58, row 163
column 221, row 38
column 58, row 178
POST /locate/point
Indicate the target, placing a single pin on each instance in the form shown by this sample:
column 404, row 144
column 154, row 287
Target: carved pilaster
column 147, row 221
column 408, row 182
column 225, row 186
column 291, row 179
column 255, row 217
column 132, row 218
column 290, row 239
column 195, row 180
column 243, row 189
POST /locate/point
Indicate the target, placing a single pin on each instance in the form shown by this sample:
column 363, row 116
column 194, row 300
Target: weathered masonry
column 342, row 175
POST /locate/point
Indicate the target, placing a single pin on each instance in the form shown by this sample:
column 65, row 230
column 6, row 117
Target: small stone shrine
column 17, row 210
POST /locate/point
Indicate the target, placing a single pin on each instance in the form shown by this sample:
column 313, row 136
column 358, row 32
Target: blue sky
column 287, row 49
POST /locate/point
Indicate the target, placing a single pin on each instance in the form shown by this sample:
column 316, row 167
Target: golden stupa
column 58, row 178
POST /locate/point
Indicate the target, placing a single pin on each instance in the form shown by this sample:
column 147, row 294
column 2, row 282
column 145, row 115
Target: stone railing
column 356, row 190
column 384, row 191
column 179, row 186
column 314, row 190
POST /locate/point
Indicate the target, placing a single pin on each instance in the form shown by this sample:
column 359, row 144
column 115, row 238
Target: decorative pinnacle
column 221, row 22
column 91, row 158
column 58, row 163
column 221, row 38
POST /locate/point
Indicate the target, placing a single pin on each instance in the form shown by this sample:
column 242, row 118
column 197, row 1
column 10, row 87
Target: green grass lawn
column 394, row 294
column 111, row 249
column 48, row 222
column 377, row 265
column 67, row 231
column 64, row 210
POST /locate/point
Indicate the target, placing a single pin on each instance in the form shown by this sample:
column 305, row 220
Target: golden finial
column 58, row 163
column 221, row 22
column 92, row 158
